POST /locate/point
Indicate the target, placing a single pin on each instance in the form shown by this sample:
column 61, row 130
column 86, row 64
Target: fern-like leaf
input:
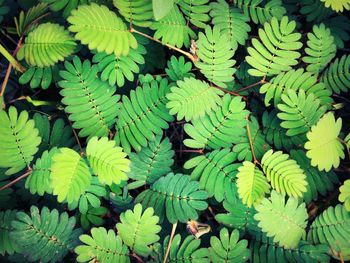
column 321, row 49
column 182, row 250
column 344, row 195
column 116, row 69
column 143, row 115
column 318, row 181
column 38, row 77
column 70, row 175
column 107, row 161
column 252, row 184
column 228, row 248
column 337, row 75
column 189, row 199
column 7, row 245
column 44, row 236
column 332, row 228
column 337, row 5
column 39, row 181
column 66, row 6
column 276, row 135
column 295, row 80
column 151, row 163
column 192, row 98
column 56, row 135
column 172, row 29
column 284, row 174
column 219, row 128
column 277, row 50
column 137, row 12
column 90, row 101
column 101, row 29
column 19, row 140
column 264, row 250
column 299, row 112
column 196, row 11
column 285, row 221
column 231, row 22
column 25, row 21
column 215, row 56
column 215, row 172
column 46, row 45
column 4, row 9
column 103, row 246
column 139, row 229
column 261, row 13
column 178, row 69
column 323, row 146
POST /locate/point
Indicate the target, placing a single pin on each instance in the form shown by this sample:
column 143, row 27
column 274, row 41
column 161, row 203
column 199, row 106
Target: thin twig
column 190, row 151
column 252, row 85
column 187, row 54
column 251, row 142
column 133, row 254
column 76, row 137
column 229, row 92
column 8, row 71
column 29, row 171
column 170, row 242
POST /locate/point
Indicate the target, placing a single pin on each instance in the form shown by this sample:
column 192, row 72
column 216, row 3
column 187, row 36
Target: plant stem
column 8, row 71
column 190, row 151
column 251, row 143
column 11, row 59
column 229, row 92
column 82, row 153
column 29, row 171
column 252, row 85
column 187, row 54
column 170, row 242
column 133, row 254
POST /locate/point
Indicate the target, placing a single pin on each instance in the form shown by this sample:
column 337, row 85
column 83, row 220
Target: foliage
column 277, row 49
column 139, row 229
column 285, row 221
column 18, row 137
column 331, row 228
column 174, row 131
column 44, row 235
column 189, row 199
column 323, row 146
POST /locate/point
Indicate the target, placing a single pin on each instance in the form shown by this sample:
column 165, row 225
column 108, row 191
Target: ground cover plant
column 174, row 131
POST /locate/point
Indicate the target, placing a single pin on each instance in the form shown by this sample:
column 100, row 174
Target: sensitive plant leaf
column 344, row 196
column 323, row 146
column 161, row 8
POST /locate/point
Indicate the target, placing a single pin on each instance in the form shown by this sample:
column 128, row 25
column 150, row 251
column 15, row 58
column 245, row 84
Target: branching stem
column 187, row 54
column 170, row 242
column 29, row 171
column 251, row 143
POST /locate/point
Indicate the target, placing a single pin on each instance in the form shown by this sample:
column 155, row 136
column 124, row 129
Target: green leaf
column 19, row 140
column 137, row 12
column 323, row 146
column 337, row 5
column 284, row 174
column 332, row 228
column 252, row 184
column 101, row 29
column 107, row 161
column 46, row 45
column 228, row 248
column 285, row 221
column 139, row 229
column 187, row 204
column 344, row 196
column 161, row 8
column 192, row 98
column 44, row 236
column 7, row 246
column 106, row 247
column 70, row 175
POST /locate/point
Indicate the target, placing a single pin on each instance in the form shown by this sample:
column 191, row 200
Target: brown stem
column 8, row 71
column 187, row 54
column 229, row 92
column 190, row 151
column 252, row 85
column 76, row 137
column 170, row 242
column 29, row 171
column 133, row 254
column 251, row 142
